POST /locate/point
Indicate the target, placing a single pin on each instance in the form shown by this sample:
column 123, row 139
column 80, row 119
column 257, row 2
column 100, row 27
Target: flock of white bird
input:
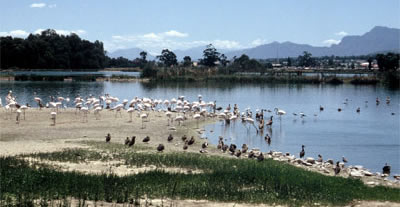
column 176, row 109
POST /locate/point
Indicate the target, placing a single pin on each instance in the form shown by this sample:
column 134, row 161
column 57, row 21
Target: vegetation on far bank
column 223, row 179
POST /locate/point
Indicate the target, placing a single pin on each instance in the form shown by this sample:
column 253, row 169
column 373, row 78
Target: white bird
column 197, row 117
column 53, row 117
column 168, row 114
column 143, row 117
column 18, row 116
column 24, row 107
column 251, row 121
column 117, row 109
column 97, row 112
column 85, row 111
column 179, row 119
column 130, row 111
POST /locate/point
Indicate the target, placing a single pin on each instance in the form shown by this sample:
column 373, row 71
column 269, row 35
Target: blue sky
column 178, row 24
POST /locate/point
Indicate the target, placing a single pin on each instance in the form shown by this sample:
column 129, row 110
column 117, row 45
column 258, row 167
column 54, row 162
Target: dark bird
column 224, row 147
column 358, row 110
column 184, row 137
column 220, row 144
column 260, row 157
column 185, row 146
column 232, row 148
column 339, row 109
column 204, row 145
column 108, row 137
column 146, row 139
column 251, row 154
column 386, row 169
column 319, row 158
column 238, row 153
column 218, row 108
column 337, row 168
column 191, row 141
column 268, row 139
column 269, row 123
column 160, row 147
column 302, row 153
column 170, row 138
column 132, row 142
column 127, row 141
column 244, row 148
column 344, row 159
column 321, row 108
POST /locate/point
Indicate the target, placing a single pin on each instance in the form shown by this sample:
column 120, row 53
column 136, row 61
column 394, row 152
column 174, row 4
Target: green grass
column 224, row 179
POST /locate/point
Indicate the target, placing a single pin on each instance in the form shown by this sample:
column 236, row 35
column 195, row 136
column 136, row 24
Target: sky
column 178, row 24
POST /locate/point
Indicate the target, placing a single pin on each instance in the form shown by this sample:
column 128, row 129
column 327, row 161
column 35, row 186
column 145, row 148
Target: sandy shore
column 36, row 133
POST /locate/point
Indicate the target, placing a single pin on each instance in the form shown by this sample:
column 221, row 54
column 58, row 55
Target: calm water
column 369, row 138
column 71, row 73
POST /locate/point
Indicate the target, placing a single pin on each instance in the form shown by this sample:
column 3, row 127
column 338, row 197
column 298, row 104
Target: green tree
column 388, row 62
column 168, row 58
column 370, row 59
column 306, row 60
column 210, row 56
column 289, row 62
column 224, row 60
column 187, row 61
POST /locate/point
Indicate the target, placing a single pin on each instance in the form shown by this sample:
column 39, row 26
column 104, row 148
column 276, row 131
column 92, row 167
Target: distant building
column 276, row 65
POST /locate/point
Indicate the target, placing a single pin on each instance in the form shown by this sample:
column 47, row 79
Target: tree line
column 49, row 50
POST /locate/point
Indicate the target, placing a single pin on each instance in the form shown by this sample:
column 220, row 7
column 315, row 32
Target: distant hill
column 377, row 40
column 130, row 53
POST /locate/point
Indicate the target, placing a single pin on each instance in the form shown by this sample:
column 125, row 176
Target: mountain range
column 378, row 39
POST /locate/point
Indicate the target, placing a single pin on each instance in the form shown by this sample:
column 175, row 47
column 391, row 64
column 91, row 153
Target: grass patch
column 224, row 179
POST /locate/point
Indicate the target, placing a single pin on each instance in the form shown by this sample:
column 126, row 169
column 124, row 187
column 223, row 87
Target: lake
column 369, row 138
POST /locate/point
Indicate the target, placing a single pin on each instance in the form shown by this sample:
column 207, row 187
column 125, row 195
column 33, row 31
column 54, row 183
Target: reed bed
column 223, row 179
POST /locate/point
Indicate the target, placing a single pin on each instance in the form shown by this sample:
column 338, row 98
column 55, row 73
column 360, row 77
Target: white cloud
column 342, row 33
column 15, row 33
column 155, row 42
column 258, row 42
column 173, row 33
column 226, row 44
column 38, row 5
column 331, row 42
column 52, row 6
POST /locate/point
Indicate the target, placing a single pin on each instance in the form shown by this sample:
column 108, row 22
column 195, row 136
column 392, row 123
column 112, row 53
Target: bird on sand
column 146, row 139
column 160, row 147
column 108, row 137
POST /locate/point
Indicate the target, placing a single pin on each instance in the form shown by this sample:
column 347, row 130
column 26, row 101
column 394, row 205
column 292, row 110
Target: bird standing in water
column 302, row 153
